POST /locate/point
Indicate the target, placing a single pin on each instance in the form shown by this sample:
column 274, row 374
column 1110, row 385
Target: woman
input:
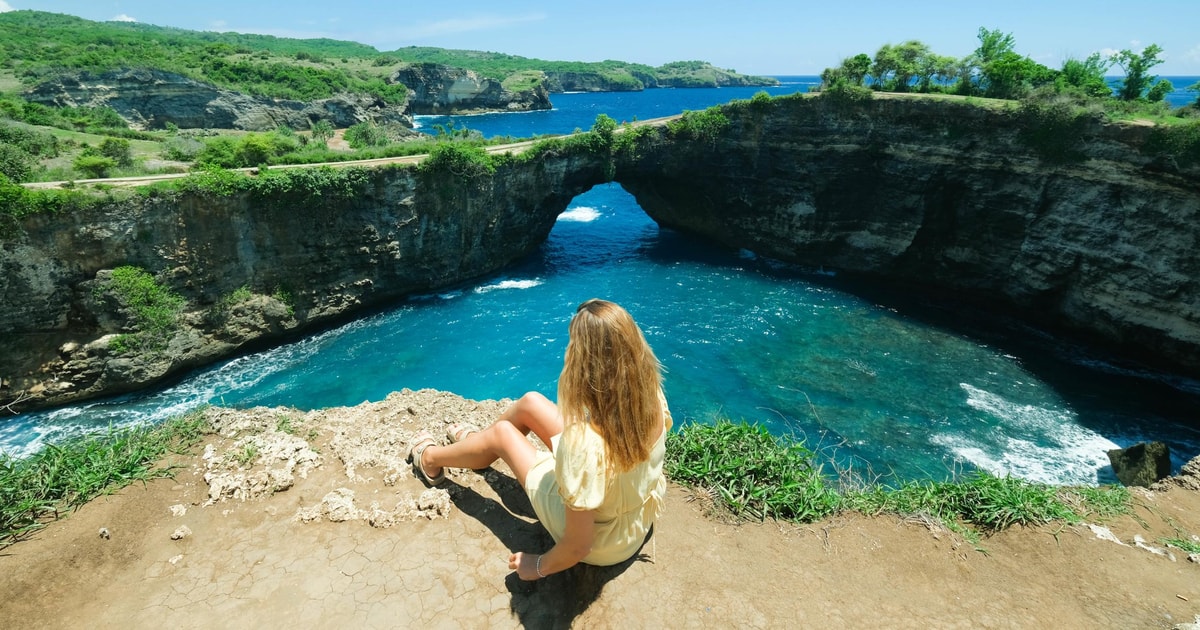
column 601, row 487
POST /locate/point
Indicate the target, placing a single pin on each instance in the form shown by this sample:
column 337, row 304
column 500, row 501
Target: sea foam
column 1043, row 444
column 581, row 214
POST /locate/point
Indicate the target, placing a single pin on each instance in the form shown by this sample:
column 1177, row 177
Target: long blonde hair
column 612, row 380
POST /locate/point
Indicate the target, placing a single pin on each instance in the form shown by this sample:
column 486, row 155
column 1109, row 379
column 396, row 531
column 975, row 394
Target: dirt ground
column 312, row 520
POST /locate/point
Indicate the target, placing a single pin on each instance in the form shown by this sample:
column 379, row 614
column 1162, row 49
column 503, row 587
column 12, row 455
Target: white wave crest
column 1035, row 443
column 509, row 284
column 582, row 214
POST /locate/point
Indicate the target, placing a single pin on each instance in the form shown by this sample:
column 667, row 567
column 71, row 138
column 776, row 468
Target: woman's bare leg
column 504, row 439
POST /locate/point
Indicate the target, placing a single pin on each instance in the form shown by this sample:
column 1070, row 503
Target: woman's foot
column 459, row 431
column 416, row 448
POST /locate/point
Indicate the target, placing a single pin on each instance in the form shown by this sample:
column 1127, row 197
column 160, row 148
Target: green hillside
column 35, row 45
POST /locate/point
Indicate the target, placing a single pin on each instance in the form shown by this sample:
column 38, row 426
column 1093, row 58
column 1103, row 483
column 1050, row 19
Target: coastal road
column 143, row 180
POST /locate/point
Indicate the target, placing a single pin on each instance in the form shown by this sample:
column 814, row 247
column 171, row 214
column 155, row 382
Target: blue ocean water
column 889, row 389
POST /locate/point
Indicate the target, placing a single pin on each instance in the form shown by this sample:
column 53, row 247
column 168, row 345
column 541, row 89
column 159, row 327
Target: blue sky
column 770, row 37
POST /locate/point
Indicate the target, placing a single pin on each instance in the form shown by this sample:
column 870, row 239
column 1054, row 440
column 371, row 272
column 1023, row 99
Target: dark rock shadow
column 553, row 602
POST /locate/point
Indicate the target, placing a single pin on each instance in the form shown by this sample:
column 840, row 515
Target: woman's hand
column 525, row 564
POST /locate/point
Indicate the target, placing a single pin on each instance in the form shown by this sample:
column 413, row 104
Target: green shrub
column 182, row 149
column 153, row 307
column 1178, row 142
column 94, row 166
column 1053, row 123
column 35, row 142
column 15, row 163
column 459, row 160
column 705, row 126
column 118, row 150
column 365, row 135
column 844, row 92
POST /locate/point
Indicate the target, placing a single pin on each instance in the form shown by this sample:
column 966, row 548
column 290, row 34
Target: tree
column 1137, row 68
column 1160, row 91
column 1002, row 72
column 895, row 66
column 1086, row 75
column 992, row 46
column 322, row 130
column 933, row 68
column 857, row 68
column 1195, row 87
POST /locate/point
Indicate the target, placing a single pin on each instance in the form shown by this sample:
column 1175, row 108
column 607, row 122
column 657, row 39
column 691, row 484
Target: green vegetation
column 996, row 70
column 1183, row 544
column 152, row 306
column 63, row 476
column 519, row 71
column 256, row 64
column 1178, row 142
column 752, row 474
column 459, row 160
column 704, row 126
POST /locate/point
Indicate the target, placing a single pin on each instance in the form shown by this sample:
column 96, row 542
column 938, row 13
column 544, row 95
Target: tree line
column 996, row 70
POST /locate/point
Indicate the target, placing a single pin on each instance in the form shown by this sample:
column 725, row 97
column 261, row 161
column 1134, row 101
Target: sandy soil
column 324, row 526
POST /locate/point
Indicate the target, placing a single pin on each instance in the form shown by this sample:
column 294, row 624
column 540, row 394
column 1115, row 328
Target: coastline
column 379, row 550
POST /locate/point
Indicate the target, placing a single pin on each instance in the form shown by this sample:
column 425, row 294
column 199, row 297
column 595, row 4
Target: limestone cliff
column 1077, row 227
column 438, row 89
column 151, row 99
column 307, row 254
column 1083, row 228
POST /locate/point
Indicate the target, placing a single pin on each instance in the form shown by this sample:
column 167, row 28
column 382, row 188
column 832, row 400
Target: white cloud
column 122, row 18
column 5, row 7
column 466, row 25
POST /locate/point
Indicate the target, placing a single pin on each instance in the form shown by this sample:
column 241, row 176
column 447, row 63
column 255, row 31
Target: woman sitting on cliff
column 601, row 487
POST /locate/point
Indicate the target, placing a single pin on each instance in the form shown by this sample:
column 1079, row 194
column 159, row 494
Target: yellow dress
column 575, row 475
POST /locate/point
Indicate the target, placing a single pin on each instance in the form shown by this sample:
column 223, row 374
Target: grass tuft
column 756, row 475
column 64, row 476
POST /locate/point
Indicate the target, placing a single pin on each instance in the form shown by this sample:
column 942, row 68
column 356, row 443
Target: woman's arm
column 575, row 545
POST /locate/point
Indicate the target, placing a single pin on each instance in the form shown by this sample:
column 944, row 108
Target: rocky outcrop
column 559, row 82
column 150, row 99
column 1077, row 228
column 438, row 89
column 306, row 255
column 1141, row 464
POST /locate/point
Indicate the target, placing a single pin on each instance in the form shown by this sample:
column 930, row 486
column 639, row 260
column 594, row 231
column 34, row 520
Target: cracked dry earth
column 288, row 519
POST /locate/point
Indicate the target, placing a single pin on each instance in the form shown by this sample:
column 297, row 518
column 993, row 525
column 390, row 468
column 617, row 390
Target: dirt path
column 438, row 559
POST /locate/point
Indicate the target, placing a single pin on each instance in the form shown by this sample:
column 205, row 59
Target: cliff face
column 438, row 89
column 1081, row 229
column 305, row 257
column 951, row 199
column 595, row 82
column 151, row 98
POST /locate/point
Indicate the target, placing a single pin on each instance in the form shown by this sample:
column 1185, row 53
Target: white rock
column 182, row 532
column 1104, row 533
